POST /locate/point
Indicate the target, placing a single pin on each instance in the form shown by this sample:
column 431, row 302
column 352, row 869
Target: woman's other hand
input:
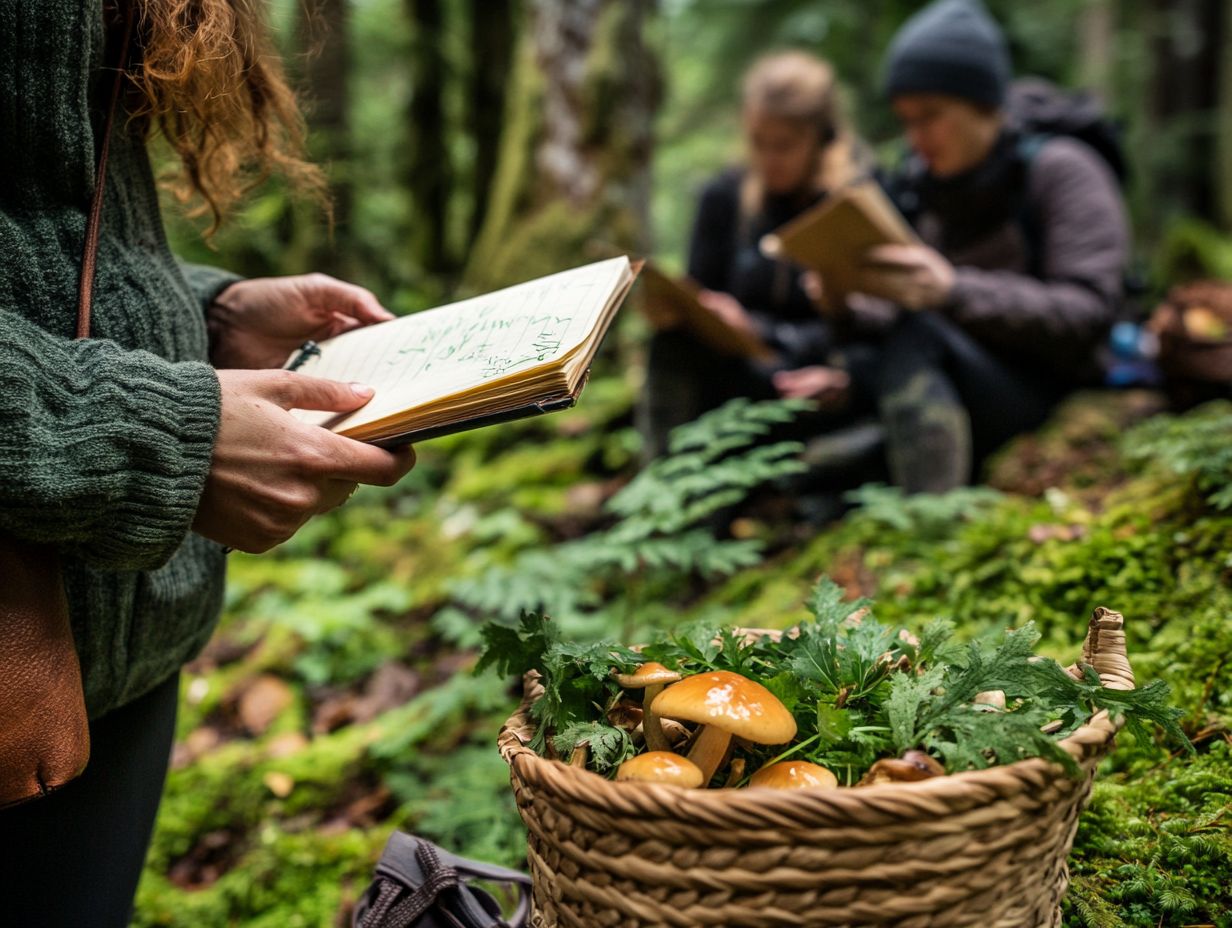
column 814, row 289
column 661, row 314
column 728, row 308
column 257, row 323
column 913, row 276
column 271, row 472
column 829, row 386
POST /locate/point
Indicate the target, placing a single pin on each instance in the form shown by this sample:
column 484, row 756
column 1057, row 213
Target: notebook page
column 478, row 342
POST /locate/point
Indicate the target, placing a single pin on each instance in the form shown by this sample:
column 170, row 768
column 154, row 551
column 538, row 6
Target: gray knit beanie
column 951, row 47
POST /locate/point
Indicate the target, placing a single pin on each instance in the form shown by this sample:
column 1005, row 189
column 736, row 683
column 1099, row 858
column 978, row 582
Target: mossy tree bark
column 573, row 174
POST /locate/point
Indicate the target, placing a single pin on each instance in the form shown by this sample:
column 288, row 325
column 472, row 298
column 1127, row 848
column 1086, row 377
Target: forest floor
column 335, row 704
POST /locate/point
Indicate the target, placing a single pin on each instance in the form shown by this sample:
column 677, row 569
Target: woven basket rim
column 1104, row 648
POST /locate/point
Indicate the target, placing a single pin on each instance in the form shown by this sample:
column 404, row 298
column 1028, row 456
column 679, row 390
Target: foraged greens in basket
column 839, row 700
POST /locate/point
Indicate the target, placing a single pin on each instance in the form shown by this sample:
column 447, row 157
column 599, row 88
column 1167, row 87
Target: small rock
column 334, row 712
column 197, row 690
column 585, row 497
column 284, row 745
column 278, row 783
column 391, row 686
column 199, row 741
column 262, row 702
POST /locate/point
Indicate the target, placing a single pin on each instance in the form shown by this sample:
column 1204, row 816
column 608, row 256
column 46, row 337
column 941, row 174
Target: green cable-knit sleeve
column 206, row 282
column 103, row 451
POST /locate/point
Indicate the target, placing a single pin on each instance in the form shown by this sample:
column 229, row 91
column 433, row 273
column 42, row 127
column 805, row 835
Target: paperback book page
column 479, row 342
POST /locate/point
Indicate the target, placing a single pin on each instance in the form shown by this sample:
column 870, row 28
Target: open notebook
column 833, row 238
column 504, row 355
column 678, row 295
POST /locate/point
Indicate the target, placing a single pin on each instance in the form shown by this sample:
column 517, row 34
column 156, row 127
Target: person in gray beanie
column 953, row 48
column 1019, row 274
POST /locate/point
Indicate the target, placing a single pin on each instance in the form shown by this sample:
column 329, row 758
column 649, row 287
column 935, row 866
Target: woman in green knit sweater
column 143, row 452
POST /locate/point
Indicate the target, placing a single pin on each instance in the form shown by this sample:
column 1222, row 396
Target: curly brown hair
column 210, row 80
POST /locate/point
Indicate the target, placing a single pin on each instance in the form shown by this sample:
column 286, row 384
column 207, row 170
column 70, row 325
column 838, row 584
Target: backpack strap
column 419, row 883
column 89, row 255
column 411, row 907
column 1028, row 147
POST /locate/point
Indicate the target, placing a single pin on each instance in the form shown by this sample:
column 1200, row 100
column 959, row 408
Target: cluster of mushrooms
column 727, row 709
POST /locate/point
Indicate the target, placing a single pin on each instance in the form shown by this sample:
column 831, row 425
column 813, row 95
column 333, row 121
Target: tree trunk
column 1187, row 40
column 322, row 30
column 430, row 173
column 492, row 41
column 573, row 178
column 1223, row 161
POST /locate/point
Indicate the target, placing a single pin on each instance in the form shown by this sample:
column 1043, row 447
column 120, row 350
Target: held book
column 678, row 295
column 833, row 238
column 505, row 355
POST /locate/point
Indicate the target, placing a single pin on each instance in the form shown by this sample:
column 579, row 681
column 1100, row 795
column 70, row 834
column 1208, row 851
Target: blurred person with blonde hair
column 799, row 148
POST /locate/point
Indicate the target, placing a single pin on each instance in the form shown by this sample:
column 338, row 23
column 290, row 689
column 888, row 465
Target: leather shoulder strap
column 89, row 257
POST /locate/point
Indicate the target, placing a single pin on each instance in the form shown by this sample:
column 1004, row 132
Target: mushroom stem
column 652, row 730
column 735, row 773
column 708, row 750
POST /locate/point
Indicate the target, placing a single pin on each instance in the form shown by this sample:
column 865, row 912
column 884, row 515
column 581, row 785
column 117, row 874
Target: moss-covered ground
column 335, row 704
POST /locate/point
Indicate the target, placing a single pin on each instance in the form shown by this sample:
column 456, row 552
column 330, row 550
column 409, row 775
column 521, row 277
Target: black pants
column 73, row 859
column 947, row 401
column 685, row 378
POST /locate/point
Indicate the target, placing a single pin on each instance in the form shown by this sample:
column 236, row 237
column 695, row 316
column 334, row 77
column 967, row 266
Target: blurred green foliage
column 703, row 47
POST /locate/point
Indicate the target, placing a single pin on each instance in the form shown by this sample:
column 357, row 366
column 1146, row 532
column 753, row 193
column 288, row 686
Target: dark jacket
column 105, row 443
column 724, row 256
column 1040, row 241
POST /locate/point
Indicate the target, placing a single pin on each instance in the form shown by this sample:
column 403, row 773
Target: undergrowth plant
column 859, row 689
column 1147, row 537
column 1196, row 446
column 659, row 541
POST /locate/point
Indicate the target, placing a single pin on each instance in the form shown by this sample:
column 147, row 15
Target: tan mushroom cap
column 794, row 774
column 730, row 702
column 651, row 673
column 661, row 767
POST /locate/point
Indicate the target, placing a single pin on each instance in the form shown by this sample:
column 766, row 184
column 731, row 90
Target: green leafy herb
column 577, row 678
column 609, row 746
column 859, row 689
column 1140, row 706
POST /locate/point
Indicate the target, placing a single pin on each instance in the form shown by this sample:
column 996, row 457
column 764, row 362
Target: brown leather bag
column 44, row 732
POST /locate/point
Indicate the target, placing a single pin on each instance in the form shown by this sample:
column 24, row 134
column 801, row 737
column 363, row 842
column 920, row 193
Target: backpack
column 1041, row 110
column 420, row 885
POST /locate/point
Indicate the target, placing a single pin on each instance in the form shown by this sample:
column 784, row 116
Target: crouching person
column 799, row 149
column 1020, row 274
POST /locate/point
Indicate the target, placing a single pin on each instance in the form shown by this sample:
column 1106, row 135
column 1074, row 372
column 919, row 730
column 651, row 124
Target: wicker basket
column 983, row 848
column 1182, row 355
